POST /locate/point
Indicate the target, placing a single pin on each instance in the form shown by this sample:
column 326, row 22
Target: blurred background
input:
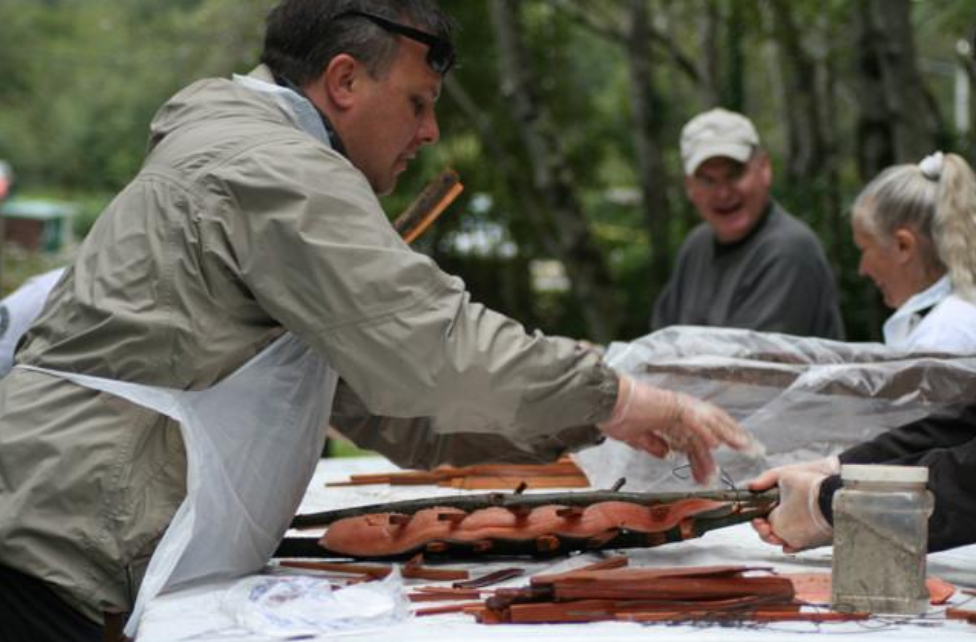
column 562, row 119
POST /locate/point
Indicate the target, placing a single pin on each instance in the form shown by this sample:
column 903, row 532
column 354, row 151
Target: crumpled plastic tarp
column 801, row 398
column 297, row 606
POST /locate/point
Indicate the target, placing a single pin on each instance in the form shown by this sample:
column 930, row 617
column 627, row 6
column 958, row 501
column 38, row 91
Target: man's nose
column 429, row 132
column 723, row 189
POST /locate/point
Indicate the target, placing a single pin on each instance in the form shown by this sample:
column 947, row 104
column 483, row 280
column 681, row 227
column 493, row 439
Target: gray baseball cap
column 717, row 132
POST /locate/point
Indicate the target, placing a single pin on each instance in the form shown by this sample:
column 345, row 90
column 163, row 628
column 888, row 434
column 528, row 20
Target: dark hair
column 302, row 36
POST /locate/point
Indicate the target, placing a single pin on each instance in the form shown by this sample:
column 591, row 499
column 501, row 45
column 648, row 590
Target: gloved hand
column 796, row 523
column 658, row 421
column 825, row 466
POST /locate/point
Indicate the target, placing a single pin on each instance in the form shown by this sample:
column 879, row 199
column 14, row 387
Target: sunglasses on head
column 440, row 52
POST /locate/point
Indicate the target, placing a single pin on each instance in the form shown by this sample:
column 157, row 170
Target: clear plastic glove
column 825, row 466
column 796, row 523
column 658, row 421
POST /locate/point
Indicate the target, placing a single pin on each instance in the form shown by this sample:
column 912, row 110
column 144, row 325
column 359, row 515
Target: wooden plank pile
column 712, row 594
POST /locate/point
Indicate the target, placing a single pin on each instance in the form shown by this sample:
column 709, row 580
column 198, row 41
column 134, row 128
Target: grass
column 341, row 447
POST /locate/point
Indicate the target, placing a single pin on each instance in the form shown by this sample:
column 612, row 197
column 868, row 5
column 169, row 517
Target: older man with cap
column 750, row 264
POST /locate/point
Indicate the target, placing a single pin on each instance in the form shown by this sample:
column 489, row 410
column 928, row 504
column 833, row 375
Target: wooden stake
column 428, row 206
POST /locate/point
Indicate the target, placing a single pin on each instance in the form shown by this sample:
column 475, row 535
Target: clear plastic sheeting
column 801, row 398
column 296, row 607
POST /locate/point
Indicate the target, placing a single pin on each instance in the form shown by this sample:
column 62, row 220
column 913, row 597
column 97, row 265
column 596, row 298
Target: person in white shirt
column 915, row 226
column 18, row 311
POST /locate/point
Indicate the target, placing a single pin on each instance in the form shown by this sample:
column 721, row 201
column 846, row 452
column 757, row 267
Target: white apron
column 252, row 442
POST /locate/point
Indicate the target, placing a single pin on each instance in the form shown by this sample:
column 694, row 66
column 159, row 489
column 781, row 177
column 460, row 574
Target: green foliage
column 18, row 266
column 340, row 447
column 87, row 76
column 82, row 79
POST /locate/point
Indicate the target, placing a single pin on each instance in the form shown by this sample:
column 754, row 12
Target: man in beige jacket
column 256, row 214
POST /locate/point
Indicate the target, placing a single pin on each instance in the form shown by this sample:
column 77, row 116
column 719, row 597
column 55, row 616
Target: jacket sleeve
column 319, row 255
column 947, row 447
column 416, row 443
column 948, row 429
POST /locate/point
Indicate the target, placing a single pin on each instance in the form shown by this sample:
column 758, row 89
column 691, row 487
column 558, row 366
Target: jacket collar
column 293, row 101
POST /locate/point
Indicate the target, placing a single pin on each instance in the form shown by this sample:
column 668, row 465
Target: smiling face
column 383, row 121
column 886, row 264
column 731, row 196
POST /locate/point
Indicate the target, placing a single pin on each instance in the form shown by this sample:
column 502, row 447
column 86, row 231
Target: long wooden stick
column 488, row 500
column 370, row 570
column 561, row 474
column 428, row 206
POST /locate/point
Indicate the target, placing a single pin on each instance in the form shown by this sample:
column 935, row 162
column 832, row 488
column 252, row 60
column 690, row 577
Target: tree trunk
column 647, row 109
column 837, row 228
column 964, row 58
column 734, row 92
column 805, row 145
column 898, row 119
column 553, row 178
column 708, row 32
column 512, row 177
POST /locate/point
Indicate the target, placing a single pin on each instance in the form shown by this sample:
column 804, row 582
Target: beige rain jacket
column 238, row 227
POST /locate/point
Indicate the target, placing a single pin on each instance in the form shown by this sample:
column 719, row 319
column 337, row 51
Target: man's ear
column 339, row 80
column 906, row 244
column 765, row 168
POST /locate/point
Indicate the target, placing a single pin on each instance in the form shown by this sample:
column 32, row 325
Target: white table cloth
column 197, row 613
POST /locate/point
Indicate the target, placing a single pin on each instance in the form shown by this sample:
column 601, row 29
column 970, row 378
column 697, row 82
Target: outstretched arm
column 656, row 421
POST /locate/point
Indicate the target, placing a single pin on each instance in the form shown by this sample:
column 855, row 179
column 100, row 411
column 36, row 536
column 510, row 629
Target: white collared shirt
column 934, row 320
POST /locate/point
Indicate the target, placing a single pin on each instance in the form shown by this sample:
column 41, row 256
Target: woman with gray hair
column 915, row 226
